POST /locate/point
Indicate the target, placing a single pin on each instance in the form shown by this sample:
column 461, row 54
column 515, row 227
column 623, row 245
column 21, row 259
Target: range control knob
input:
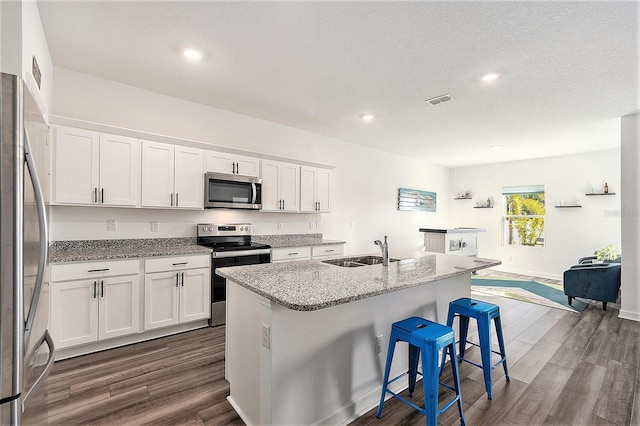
column 242, row 228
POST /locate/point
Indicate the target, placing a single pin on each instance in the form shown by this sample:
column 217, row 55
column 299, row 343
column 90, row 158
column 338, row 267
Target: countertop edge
column 486, row 263
column 119, row 254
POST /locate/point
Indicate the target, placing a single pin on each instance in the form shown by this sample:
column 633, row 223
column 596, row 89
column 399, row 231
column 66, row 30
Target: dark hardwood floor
column 566, row 369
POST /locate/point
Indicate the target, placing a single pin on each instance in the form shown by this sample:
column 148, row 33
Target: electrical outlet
column 311, row 225
column 266, row 336
column 379, row 344
column 155, row 226
column 317, row 225
column 112, row 225
column 280, row 225
column 352, row 225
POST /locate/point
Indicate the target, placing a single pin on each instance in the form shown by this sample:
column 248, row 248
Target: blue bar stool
column 428, row 337
column 483, row 312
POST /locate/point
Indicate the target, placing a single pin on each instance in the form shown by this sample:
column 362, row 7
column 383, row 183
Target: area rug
column 551, row 295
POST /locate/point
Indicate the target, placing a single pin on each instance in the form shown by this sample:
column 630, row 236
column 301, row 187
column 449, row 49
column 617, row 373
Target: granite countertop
column 460, row 230
column 294, row 240
column 92, row 250
column 310, row 285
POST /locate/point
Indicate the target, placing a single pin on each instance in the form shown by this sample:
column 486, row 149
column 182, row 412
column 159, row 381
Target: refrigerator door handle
column 45, row 372
column 44, row 243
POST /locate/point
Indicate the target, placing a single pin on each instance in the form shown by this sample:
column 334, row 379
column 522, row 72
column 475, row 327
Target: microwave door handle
column 254, row 191
column 42, row 223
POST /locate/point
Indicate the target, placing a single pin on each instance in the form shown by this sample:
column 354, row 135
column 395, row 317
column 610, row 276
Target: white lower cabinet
column 92, row 305
column 176, row 290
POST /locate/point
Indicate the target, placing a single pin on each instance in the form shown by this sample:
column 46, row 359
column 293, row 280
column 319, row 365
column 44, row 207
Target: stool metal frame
column 465, row 308
column 429, row 338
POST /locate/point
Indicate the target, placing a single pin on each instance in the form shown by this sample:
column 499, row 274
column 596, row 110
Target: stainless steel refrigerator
column 26, row 348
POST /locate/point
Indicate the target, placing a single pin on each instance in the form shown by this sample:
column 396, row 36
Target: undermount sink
column 353, row 262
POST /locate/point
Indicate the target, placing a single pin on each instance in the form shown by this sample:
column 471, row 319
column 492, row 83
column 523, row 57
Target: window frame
column 523, row 191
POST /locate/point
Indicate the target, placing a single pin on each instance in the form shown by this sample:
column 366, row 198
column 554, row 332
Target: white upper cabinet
column 172, row 176
column 96, row 168
column 280, row 186
column 189, row 178
column 315, row 190
column 222, row 162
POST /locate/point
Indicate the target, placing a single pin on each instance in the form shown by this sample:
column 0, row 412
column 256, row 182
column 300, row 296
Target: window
column 523, row 216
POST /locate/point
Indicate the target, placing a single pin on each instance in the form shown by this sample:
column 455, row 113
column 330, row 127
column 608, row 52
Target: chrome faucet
column 385, row 250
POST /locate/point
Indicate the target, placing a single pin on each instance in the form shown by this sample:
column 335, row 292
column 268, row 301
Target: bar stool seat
column 465, row 308
column 428, row 338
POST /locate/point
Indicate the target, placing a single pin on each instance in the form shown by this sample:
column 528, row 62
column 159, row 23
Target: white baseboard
column 530, row 273
column 630, row 315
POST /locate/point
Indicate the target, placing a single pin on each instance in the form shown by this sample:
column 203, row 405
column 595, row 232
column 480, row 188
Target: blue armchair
column 595, row 281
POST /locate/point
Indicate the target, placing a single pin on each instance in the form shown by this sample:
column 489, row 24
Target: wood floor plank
column 536, row 401
column 635, row 411
column 575, row 405
column 533, row 361
column 615, row 400
column 491, row 411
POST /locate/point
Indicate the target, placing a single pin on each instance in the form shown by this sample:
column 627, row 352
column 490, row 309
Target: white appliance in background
column 458, row 241
column 26, row 348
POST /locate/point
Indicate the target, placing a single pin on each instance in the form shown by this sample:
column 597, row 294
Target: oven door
column 219, row 284
column 232, row 192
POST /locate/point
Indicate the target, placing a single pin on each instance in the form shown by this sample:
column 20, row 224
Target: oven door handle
column 220, row 254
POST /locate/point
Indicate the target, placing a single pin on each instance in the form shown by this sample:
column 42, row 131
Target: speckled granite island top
column 294, row 240
column 91, row 250
column 311, row 285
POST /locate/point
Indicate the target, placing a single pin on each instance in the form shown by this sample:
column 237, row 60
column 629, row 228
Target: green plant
column 606, row 253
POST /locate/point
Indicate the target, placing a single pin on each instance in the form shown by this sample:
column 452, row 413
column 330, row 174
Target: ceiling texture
column 569, row 69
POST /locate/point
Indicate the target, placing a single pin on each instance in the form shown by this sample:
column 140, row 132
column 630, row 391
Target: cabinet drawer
column 290, row 253
column 328, row 250
column 78, row 271
column 161, row 264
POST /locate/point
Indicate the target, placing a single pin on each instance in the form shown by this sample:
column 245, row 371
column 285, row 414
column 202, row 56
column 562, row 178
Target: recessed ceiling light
column 192, row 54
column 490, row 76
column 495, row 147
column 368, row 117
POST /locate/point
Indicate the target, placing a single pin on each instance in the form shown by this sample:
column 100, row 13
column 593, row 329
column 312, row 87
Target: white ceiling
column 569, row 70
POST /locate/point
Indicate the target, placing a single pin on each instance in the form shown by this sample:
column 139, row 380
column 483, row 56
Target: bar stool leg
column 498, row 324
column 430, row 384
column 484, row 331
column 464, row 329
column 414, row 358
column 387, row 368
column 456, row 380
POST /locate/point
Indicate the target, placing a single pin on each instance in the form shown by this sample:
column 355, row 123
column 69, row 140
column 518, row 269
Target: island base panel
column 321, row 366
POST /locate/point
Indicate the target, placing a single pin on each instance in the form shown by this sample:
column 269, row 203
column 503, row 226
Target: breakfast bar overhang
column 301, row 337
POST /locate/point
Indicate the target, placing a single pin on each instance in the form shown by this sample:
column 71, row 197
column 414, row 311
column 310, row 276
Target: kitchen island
column 306, row 340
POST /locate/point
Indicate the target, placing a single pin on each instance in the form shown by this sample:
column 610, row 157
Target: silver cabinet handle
column 177, row 202
column 172, row 199
column 328, row 251
column 177, row 277
column 182, row 280
column 180, row 263
column 102, row 288
column 293, row 254
column 102, row 195
column 98, row 270
column 95, row 289
column 95, row 195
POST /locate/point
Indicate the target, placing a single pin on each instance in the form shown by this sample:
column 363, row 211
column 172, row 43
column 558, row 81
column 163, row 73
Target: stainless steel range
column 232, row 246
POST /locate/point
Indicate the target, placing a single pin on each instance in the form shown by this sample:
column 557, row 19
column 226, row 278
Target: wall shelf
column 483, row 207
column 568, row 206
column 463, row 198
column 600, row 193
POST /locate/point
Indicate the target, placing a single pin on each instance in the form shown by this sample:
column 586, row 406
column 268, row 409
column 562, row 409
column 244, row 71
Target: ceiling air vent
column 439, row 99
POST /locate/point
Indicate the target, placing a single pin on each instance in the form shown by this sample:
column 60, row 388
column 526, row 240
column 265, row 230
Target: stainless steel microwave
column 232, row 191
